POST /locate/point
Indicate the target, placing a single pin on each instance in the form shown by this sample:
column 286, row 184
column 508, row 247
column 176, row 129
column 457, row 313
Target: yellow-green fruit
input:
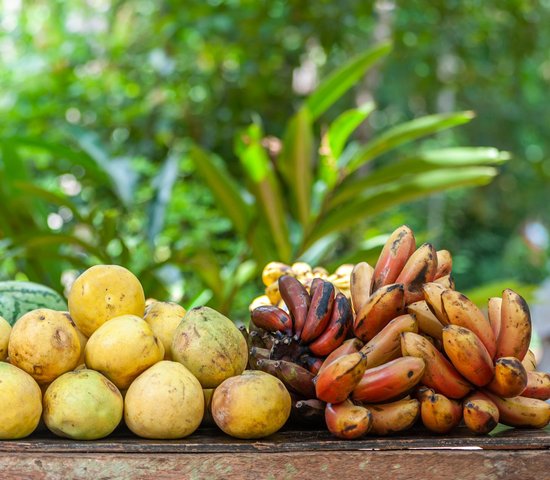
column 103, row 292
column 122, row 348
column 82, row 405
column 45, row 344
column 83, row 341
column 252, row 405
column 20, row 401
column 164, row 318
column 210, row 346
column 165, row 401
column 5, row 330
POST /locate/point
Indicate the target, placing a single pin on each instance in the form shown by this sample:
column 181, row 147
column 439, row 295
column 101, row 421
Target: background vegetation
column 104, row 101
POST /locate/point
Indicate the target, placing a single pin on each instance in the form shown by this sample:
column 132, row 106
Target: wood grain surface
column 290, row 454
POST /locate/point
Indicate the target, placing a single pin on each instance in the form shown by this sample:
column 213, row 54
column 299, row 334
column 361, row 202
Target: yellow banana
column 530, row 361
column 494, row 314
column 382, row 306
column 432, row 295
column 427, row 321
column 272, row 271
column 393, row 417
column 522, row 411
column 386, row 345
column 362, row 277
column 461, row 311
column 510, row 378
column 446, row 281
column 439, row 374
column 480, row 413
column 538, row 386
column 444, row 263
column 439, row 413
column 515, row 327
column 468, row 355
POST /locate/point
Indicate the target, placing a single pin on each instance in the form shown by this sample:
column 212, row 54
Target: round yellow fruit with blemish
column 164, row 318
column 252, row 405
column 5, row 330
column 20, row 401
column 122, row 348
column 165, row 401
column 82, row 405
column 44, row 343
column 210, row 346
column 103, row 292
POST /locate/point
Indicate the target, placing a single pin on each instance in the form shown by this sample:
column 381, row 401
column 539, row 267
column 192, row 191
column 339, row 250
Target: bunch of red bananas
column 407, row 347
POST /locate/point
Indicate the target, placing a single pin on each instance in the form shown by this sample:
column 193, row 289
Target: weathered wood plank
column 392, row 465
column 213, row 441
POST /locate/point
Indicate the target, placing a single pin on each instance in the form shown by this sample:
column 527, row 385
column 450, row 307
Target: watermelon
column 18, row 298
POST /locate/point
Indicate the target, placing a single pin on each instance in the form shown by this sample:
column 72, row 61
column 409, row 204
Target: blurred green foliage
column 101, row 98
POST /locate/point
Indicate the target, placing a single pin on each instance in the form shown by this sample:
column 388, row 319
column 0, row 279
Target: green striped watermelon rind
column 18, row 298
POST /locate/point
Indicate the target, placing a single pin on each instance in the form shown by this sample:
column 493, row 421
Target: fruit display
column 367, row 350
column 396, row 346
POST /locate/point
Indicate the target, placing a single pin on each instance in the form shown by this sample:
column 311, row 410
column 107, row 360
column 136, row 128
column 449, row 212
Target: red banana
column 319, row 312
column 515, row 326
column 337, row 329
column 346, row 420
column 336, row 382
column 272, row 319
column 419, row 269
column 296, row 298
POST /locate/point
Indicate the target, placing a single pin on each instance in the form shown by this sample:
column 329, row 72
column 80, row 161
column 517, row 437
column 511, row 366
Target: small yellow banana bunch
column 305, row 273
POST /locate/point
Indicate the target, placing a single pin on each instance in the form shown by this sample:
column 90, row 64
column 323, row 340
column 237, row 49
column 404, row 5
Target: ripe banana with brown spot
column 440, row 414
column 432, row 295
column 340, row 323
column 538, row 385
column 336, row 382
column 296, row 299
column 468, row 355
column 319, row 312
column 272, row 319
column 447, row 281
column 521, row 411
column 353, row 345
column 461, row 311
column 480, row 413
column 388, row 418
column 510, row 378
column 444, row 263
column 419, row 269
column 362, row 277
column 347, row 420
column 389, row 381
column 272, row 271
column 439, row 373
column 427, row 321
column 529, row 361
column 397, row 250
column 494, row 314
column 515, row 327
column 382, row 306
column 386, row 345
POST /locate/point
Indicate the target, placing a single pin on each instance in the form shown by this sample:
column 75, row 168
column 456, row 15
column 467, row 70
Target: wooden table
column 307, row 455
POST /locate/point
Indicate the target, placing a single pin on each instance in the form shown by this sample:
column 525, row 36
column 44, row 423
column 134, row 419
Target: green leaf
column 480, row 294
column 335, row 139
column 163, row 184
column 341, row 80
column 295, row 163
column 380, row 198
column 265, row 187
column 423, row 162
column 406, row 132
column 224, row 188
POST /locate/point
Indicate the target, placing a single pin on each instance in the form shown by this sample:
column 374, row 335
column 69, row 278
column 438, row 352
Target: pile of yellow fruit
column 111, row 358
